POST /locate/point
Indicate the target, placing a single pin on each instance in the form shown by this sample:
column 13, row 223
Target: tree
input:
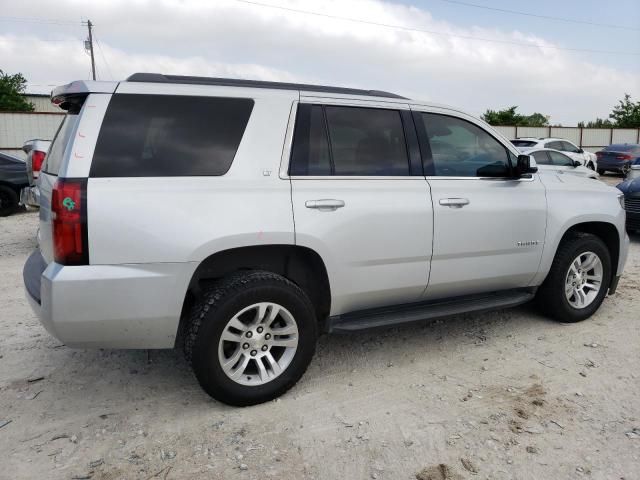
column 11, row 89
column 597, row 123
column 627, row 113
column 509, row 117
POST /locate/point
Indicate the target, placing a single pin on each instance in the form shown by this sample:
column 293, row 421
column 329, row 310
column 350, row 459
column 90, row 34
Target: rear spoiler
column 71, row 96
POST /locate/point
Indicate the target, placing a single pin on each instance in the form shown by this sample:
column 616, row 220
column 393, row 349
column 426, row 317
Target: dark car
column 631, row 189
column 13, row 178
column 618, row 158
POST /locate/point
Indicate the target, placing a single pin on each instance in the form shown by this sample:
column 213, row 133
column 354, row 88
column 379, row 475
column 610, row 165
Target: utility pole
column 93, row 62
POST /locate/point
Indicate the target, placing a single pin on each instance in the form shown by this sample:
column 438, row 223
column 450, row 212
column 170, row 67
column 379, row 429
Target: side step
column 414, row 312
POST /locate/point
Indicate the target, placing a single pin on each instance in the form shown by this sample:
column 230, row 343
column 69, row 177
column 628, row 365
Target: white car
column 549, row 160
column 588, row 159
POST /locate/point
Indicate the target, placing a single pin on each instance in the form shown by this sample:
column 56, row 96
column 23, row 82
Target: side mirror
column 525, row 165
column 579, row 150
column 576, row 163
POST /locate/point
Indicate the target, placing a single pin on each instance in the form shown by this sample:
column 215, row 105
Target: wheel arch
column 301, row 265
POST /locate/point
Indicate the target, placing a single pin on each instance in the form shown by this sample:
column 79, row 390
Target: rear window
column 53, row 160
column 523, row 143
column 169, row 136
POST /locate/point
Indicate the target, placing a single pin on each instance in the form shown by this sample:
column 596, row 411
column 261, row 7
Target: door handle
column 454, row 202
column 328, row 205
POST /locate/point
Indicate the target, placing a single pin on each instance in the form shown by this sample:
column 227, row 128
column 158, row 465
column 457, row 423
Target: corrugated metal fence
column 591, row 139
column 16, row 128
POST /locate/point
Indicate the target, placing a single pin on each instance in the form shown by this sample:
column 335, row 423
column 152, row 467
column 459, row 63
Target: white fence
column 591, row 139
column 16, row 128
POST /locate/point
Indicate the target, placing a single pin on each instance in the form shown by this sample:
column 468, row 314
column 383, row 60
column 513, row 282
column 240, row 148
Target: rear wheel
column 578, row 280
column 625, row 169
column 8, row 201
column 601, row 172
column 250, row 337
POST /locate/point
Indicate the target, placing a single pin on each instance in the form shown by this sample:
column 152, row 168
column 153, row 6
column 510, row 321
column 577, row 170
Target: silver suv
column 239, row 219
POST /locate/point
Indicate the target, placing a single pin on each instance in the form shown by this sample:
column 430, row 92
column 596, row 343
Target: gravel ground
column 500, row 395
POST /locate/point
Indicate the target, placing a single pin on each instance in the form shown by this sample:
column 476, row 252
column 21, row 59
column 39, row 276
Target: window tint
column 554, row 145
column 462, row 149
column 330, row 140
column 310, row 153
column 367, row 141
column 53, row 159
column 524, row 143
column 541, row 158
column 163, row 135
column 568, row 147
column 560, row 160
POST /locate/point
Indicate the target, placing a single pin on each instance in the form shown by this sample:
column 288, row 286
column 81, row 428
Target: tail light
column 623, row 157
column 69, row 219
column 37, row 159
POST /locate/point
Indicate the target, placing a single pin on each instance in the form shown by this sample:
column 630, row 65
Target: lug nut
column 249, row 334
column 245, row 346
column 267, row 336
column 264, row 348
column 260, row 329
column 254, row 353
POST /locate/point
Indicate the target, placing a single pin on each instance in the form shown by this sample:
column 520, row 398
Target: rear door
column 489, row 228
column 361, row 201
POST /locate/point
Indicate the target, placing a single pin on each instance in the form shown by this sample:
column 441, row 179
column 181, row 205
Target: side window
column 166, row 135
column 462, row 149
column 568, row 147
column 554, row 145
column 541, row 158
column 560, row 160
column 310, row 151
column 348, row 141
column 367, row 141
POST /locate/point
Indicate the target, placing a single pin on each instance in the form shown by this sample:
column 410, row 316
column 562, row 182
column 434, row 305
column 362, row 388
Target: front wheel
column 591, row 166
column 578, row 279
column 250, row 337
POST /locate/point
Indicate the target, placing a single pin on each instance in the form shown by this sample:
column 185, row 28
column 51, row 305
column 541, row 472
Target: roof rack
column 234, row 82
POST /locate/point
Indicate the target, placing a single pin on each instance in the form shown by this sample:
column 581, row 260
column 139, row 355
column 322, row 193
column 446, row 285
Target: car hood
column 629, row 186
column 556, row 181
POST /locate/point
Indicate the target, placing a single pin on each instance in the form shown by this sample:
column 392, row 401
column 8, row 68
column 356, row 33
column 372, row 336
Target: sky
column 443, row 51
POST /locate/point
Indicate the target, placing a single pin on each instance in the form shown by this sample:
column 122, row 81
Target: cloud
column 232, row 38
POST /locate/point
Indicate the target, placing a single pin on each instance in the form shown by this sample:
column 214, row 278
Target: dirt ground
column 502, row 395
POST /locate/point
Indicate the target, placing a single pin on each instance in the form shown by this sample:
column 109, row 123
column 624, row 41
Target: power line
column 421, row 30
column 39, row 20
column 545, row 17
column 104, row 58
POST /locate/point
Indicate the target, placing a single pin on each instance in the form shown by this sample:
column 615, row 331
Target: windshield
column 53, row 160
column 524, row 143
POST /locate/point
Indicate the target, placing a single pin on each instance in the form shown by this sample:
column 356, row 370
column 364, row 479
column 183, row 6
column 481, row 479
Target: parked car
column 36, row 151
column 618, row 158
column 549, row 160
column 631, row 189
column 394, row 223
column 13, row 177
column 587, row 159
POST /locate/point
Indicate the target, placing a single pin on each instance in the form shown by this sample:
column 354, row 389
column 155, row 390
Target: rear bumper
column 612, row 166
column 108, row 306
column 30, row 196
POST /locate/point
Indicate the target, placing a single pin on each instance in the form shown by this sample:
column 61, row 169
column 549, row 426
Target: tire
column 601, row 172
column 551, row 296
column 8, row 201
column 591, row 166
column 217, row 312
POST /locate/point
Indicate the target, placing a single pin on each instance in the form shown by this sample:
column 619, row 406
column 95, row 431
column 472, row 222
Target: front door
column 489, row 228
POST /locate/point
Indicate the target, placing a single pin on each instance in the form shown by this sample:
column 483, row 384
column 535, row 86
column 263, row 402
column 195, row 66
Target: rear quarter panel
column 186, row 219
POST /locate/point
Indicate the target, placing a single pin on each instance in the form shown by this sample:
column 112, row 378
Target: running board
column 414, row 312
